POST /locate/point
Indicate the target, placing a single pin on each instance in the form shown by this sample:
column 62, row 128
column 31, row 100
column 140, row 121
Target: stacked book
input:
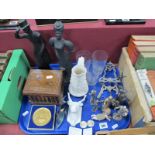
column 141, row 50
column 147, row 81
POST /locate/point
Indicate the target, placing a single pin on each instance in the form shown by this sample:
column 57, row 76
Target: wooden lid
column 43, row 82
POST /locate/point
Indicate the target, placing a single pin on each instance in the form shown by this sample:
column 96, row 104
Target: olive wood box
column 44, row 86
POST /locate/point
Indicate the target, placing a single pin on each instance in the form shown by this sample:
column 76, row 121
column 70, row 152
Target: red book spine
column 132, row 51
column 153, row 112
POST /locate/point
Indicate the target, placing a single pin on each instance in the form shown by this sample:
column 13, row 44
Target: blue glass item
column 60, row 115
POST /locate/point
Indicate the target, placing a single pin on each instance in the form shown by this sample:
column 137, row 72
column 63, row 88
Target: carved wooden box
column 44, row 86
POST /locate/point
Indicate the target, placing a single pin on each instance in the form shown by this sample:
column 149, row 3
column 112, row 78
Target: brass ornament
column 41, row 116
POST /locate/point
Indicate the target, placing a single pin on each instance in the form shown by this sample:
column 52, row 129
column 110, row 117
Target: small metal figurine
column 121, row 77
column 93, row 100
column 108, row 88
column 122, row 112
column 42, row 58
column 110, row 67
column 100, row 117
column 63, row 49
column 110, row 101
column 122, row 95
column 110, row 80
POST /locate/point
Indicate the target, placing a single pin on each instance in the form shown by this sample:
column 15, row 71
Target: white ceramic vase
column 78, row 83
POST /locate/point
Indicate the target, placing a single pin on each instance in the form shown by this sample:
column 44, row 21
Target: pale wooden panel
column 138, row 105
column 130, row 131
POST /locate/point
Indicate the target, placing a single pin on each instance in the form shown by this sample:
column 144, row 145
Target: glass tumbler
column 99, row 60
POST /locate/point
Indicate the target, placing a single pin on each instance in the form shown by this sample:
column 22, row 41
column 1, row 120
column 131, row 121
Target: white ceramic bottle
column 78, row 83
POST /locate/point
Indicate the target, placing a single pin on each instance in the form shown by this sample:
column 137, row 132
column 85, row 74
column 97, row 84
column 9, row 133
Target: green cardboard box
column 11, row 87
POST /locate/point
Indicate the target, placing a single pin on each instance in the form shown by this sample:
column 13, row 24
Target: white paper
column 103, row 125
column 114, row 126
column 75, row 131
column 49, row 76
column 88, row 131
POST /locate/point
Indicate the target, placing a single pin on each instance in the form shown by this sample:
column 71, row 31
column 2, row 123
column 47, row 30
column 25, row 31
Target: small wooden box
column 44, row 86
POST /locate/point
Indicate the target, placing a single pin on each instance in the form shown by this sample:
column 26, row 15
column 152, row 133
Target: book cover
column 137, row 43
column 145, row 61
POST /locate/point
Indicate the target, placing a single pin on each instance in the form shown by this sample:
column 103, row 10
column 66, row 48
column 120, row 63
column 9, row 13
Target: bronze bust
column 63, row 49
column 42, row 58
